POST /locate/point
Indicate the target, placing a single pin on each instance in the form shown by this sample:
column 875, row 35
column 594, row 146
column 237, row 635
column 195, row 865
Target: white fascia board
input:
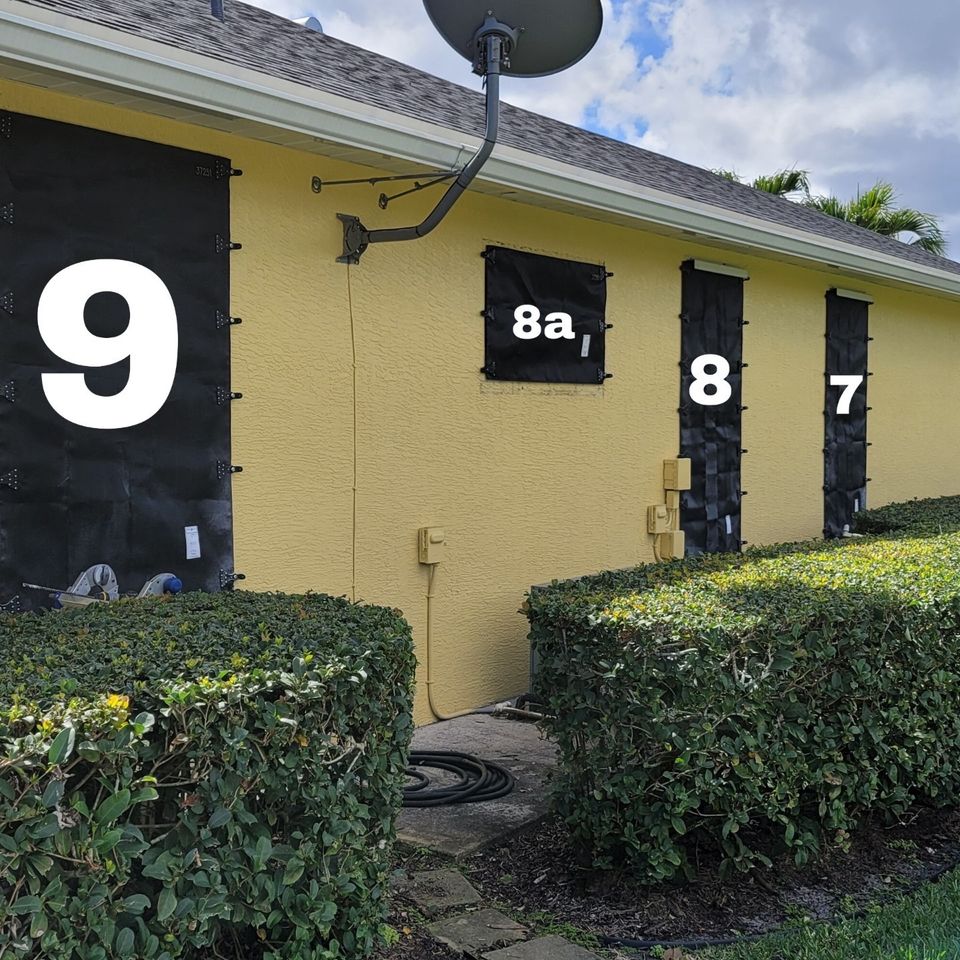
column 727, row 269
column 52, row 41
column 853, row 294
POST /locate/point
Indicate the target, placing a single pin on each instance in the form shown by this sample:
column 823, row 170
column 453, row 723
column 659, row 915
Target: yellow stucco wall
column 365, row 416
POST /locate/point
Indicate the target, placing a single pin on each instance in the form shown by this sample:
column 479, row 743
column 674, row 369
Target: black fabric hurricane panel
column 515, row 278
column 80, row 495
column 845, row 435
column 711, row 321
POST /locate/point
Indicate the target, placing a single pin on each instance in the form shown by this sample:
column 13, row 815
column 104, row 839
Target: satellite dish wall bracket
column 494, row 41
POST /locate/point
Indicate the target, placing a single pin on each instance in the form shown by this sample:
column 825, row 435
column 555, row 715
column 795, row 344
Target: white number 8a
column 150, row 341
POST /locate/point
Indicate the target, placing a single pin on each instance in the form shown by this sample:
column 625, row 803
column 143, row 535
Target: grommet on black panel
column 225, row 320
column 8, row 391
column 224, row 469
column 6, row 302
column 224, row 395
column 225, row 246
column 7, row 212
column 6, row 125
column 229, row 577
column 222, row 169
column 11, row 479
column 12, row 605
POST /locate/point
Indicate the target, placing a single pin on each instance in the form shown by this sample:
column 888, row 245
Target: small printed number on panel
column 149, row 342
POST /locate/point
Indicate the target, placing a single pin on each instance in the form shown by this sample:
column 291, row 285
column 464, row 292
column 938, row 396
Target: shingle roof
column 253, row 38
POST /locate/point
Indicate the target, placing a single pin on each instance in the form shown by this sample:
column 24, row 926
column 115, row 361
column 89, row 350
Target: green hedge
column 938, row 515
column 726, row 700
column 200, row 776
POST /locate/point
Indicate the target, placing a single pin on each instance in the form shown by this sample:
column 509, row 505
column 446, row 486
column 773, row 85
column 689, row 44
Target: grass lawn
column 923, row 926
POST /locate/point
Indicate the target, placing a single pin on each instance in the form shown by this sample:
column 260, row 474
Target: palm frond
column 784, row 182
column 730, row 175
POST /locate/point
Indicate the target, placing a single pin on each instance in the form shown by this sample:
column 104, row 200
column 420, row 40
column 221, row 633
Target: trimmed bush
column 728, row 700
column 938, row 515
column 211, row 775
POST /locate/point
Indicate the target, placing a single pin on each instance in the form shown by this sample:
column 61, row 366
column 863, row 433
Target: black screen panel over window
column 114, row 268
column 711, row 319
column 845, row 413
column 545, row 318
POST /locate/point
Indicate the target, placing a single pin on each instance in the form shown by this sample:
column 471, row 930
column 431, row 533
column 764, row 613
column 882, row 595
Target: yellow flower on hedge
column 118, row 701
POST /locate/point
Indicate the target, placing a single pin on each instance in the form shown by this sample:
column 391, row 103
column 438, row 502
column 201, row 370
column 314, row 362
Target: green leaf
column 113, row 807
column 53, row 794
column 124, row 942
column 166, row 903
column 136, row 904
column 62, row 745
column 294, row 871
column 28, row 904
column 219, row 817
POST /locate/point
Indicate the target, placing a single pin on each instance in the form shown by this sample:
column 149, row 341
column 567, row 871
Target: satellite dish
column 552, row 34
column 534, row 38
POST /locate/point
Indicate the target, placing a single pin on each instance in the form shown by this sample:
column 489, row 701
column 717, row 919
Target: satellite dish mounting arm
column 494, row 41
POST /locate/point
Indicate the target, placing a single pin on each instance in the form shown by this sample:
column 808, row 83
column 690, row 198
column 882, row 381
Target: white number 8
column 702, row 379
column 150, row 341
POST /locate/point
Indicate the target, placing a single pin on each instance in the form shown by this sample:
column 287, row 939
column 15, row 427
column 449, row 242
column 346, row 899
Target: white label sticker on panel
column 585, row 346
column 729, row 524
column 192, row 537
column 856, row 505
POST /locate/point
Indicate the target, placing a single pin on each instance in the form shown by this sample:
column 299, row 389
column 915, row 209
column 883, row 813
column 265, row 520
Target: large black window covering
column 711, row 319
column 72, row 495
column 845, row 435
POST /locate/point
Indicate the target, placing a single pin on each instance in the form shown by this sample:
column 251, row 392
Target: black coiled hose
column 477, row 780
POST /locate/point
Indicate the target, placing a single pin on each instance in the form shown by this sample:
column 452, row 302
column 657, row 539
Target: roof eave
column 37, row 38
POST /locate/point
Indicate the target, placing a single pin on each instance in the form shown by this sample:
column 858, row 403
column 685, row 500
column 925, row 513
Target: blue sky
column 854, row 91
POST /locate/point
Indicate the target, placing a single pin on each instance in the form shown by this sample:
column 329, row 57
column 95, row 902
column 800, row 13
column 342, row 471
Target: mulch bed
column 537, row 871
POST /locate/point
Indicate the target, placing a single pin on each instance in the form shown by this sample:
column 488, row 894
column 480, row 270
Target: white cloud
column 852, row 91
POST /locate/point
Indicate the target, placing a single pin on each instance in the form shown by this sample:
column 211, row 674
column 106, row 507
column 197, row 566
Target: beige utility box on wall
column 676, row 474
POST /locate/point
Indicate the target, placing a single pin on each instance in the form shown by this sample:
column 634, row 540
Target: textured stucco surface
column 365, row 416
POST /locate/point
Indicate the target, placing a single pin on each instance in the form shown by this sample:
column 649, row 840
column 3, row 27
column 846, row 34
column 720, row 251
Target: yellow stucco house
column 387, row 396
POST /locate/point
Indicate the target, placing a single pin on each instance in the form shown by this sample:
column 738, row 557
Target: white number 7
column 150, row 341
column 849, row 382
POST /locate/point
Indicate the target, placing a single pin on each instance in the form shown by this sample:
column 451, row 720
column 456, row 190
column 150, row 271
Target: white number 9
column 150, row 341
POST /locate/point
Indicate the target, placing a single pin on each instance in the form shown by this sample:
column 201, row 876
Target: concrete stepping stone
column 477, row 933
column 544, row 948
column 436, row 891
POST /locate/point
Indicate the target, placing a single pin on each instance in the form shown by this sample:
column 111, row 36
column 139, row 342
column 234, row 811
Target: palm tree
column 876, row 210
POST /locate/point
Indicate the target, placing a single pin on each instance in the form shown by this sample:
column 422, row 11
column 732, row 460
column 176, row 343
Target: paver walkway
column 482, row 934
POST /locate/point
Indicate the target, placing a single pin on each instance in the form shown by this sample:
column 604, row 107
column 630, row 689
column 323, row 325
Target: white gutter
column 40, row 38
